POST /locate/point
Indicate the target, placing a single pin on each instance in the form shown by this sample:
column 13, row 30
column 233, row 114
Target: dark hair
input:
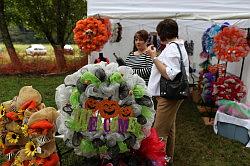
column 142, row 34
column 167, row 29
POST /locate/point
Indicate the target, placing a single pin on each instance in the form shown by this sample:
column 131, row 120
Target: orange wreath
column 92, row 33
column 231, row 44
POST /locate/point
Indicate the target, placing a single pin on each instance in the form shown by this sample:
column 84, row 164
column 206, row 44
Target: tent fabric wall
column 182, row 9
column 193, row 17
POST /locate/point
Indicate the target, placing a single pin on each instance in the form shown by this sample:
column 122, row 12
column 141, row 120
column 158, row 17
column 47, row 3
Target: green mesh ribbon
column 74, row 98
column 114, row 124
column 103, row 149
column 146, row 112
column 122, row 146
column 86, row 146
column 138, row 91
column 80, row 120
column 90, row 77
column 135, row 128
column 99, row 123
column 116, row 77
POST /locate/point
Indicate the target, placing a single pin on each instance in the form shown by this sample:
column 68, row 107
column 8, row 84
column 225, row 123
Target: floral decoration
column 92, row 33
column 116, row 33
column 30, row 149
column 12, row 137
column 231, row 44
column 229, row 88
column 19, row 117
column 110, row 113
column 208, row 40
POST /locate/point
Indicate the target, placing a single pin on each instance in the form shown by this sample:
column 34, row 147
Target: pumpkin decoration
column 108, row 108
column 91, row 103
column 111, row 112
column 126, row 112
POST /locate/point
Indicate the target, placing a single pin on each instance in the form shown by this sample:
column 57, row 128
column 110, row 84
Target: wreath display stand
column 221, row 45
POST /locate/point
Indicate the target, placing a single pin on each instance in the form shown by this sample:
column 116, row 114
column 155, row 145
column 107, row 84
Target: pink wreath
column 231, row 44
column 92, row 33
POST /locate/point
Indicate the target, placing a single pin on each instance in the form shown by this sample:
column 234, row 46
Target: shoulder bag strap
column 182, row 67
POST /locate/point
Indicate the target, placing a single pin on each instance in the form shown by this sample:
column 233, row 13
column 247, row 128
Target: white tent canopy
column 193, row 17
column 181, row 9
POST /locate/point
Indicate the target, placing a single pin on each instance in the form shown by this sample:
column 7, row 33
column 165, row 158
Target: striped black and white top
column 141, row 65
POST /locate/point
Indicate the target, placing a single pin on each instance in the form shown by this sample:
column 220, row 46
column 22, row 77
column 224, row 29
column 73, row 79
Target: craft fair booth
column 195, row 19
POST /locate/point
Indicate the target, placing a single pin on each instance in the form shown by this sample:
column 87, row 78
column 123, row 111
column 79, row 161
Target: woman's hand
column 151, row 51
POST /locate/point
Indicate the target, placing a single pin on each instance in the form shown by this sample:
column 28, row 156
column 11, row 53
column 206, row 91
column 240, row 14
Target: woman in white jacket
column 167, row 64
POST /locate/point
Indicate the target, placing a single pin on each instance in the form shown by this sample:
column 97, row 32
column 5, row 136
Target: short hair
column 167, row 29
column 142, row 34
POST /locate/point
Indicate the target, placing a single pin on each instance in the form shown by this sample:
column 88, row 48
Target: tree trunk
column 7, row 40
column 60, row 60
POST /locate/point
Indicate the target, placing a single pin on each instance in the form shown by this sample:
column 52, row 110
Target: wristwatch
column 154, row 59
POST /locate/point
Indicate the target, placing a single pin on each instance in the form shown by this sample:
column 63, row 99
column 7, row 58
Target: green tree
column 5, row 18
column 55, row 19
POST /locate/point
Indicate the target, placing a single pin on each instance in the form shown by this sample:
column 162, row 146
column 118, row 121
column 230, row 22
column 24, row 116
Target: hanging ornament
column 116, row 33
column 92, row 33
column 229, row 88
column 231, row 44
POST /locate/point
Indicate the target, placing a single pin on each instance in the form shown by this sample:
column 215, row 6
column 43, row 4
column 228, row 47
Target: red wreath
column 231, row 44
column 92, row 33
column 230, row 88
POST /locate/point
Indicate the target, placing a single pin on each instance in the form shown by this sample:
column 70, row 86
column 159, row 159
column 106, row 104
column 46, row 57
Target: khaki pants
column 165, row 122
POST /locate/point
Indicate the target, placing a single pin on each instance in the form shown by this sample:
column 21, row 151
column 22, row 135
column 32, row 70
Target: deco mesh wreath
column 27, row 130
column 105, row 111
column 230, row 88
column 92, row 33
column 208, row 41
column 116, row 33
column 231, row 44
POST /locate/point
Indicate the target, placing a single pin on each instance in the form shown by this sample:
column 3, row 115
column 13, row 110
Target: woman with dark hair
column 167, row 64
column 137, row 59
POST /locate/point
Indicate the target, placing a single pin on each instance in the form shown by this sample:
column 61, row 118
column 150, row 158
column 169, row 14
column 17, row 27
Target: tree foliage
column 6, row 36
column 55, row 19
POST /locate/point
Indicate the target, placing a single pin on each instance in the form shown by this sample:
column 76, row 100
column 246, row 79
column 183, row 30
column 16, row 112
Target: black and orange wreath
column 92, row 33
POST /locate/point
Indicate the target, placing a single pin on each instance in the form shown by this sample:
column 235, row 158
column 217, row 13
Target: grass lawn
column 196, row 144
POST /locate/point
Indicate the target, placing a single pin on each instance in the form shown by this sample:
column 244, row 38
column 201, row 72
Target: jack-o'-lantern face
column 91, row 103
column 125, row 112
column 108, row 108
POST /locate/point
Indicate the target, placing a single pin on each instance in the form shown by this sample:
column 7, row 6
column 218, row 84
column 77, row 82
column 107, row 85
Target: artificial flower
column 30, row 149
column 18, row 161
column 2, row 110
column 1, row 143
column 25, row 130
column 12, row 137
column 20, row 114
